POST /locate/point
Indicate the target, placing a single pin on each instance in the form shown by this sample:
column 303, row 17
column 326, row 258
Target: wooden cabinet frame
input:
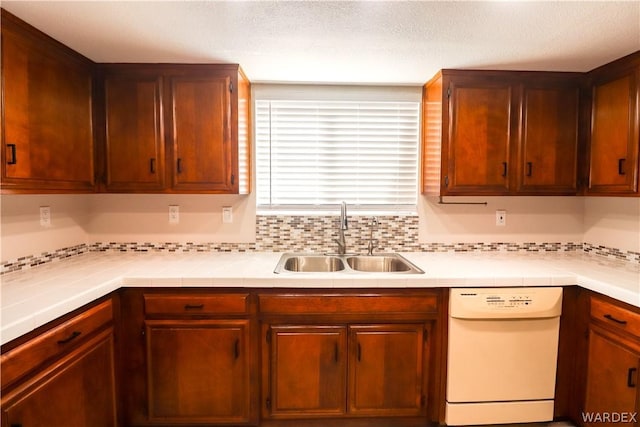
column 193, row 119
column 500, row 133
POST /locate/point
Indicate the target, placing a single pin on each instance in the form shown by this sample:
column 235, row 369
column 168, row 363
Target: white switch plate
column 501, row 218
column 174, row 214
column 227, row 214
column 45, row 216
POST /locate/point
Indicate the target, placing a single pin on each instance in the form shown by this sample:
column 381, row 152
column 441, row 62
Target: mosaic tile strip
column 318, row 233
column 31, row 261
column 291, row 233
column 613, row 253
column 172, row 247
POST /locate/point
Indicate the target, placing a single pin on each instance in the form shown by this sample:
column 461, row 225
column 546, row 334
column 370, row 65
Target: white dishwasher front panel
column 502, row 360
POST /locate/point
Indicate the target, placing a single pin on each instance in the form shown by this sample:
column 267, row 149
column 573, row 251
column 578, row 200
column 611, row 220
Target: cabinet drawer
column 351, row 304
column 195, row 304
column 53, row 342
column 615, row 316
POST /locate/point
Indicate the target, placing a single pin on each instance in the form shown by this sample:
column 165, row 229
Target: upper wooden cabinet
column 500, row 133
column 614, row 133
column 176, row 128
column 134, row 138
column 47, row 126
column 548, row 139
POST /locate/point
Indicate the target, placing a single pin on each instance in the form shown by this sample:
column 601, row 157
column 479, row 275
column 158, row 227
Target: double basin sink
column 318, row 263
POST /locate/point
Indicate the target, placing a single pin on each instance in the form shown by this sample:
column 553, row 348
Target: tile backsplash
column 289, row 233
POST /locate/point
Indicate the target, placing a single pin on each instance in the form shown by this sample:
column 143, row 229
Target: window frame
column 348, row 93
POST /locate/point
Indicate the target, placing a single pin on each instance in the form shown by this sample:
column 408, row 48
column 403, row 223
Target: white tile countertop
column 33, row 297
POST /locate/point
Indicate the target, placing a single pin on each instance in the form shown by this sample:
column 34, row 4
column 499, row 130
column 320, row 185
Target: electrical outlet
column 45, row 216
column 227, row 214
column 501, row 218
column 174, row 214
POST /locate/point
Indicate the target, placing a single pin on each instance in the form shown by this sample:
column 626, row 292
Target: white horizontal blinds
column 324, row 152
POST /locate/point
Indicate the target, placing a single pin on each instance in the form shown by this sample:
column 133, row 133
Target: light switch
column 501, row 218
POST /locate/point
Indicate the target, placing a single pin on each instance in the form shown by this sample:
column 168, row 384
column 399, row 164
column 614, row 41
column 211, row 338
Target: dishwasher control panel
column 489, row 303
column 505, row 301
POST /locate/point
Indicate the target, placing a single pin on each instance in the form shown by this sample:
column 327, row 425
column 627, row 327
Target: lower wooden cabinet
column 196, row 354
column 307, row 370
column 65, row 376
column 612, row 381
column 198, row 371
column 612, row 391
column 347, row 370
column 387, row 369
column 348, row 358
column 77, row 391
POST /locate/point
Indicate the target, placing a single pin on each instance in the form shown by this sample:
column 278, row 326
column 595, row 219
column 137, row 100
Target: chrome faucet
column 372, row 243
column 344, row 225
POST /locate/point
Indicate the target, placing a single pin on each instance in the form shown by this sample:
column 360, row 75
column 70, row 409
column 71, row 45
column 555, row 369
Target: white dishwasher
column 502, row 355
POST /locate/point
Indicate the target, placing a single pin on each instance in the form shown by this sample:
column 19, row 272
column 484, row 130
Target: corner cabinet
column 500, row 133
column 190, row 124
column 349, row 356
column 614, row 137
column 613, row 364
column 47, row 113
column 64, row 376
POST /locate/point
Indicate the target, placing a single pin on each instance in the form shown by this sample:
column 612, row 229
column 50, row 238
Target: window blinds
column 319, row 153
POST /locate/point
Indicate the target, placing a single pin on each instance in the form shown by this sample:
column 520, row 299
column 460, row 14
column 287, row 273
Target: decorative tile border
column 317, row 234
column 172, row 247
column 614, row 253
column 30, row 261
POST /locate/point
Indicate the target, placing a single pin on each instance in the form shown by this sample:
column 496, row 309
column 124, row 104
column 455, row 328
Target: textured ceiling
column 345, row 42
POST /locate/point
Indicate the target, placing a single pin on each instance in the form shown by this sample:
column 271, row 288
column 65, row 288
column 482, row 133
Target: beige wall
column 145, row 218
column 22, row 233
column 613, row 222
column 529, row 219
column 77, row 219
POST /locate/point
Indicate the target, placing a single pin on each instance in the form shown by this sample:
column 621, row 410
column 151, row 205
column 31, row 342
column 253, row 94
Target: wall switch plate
column 227, row 214
column 174, row 214
column 45, row 216
column 501, row 218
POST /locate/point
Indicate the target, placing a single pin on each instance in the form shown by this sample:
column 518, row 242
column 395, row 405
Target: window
column 313, row 154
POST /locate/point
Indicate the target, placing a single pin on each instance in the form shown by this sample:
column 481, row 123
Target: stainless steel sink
column 388, row 263
column 310, row 263
column 317, row 263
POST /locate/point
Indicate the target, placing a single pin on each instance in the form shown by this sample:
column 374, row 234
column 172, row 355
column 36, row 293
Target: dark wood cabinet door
column 308, row 371
column 77, row 391
column 205, row 155
column 387, row 375
column 47, row 135
column 548, row 153
column 134, row 133
column 612, row 380
column 476, row 160
column 613, row 148
column 198, row 371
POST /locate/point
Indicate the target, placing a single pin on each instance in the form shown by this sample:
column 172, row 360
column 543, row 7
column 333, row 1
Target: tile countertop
column 33, row 297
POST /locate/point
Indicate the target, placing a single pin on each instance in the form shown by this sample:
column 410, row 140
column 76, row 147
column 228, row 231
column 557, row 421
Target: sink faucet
column 372, row 243
column 344, row 225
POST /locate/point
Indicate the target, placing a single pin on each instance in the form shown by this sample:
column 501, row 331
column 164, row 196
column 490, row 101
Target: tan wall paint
column 613, row 222
column 78, row 219
column 20, row 228
column 529, row 219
